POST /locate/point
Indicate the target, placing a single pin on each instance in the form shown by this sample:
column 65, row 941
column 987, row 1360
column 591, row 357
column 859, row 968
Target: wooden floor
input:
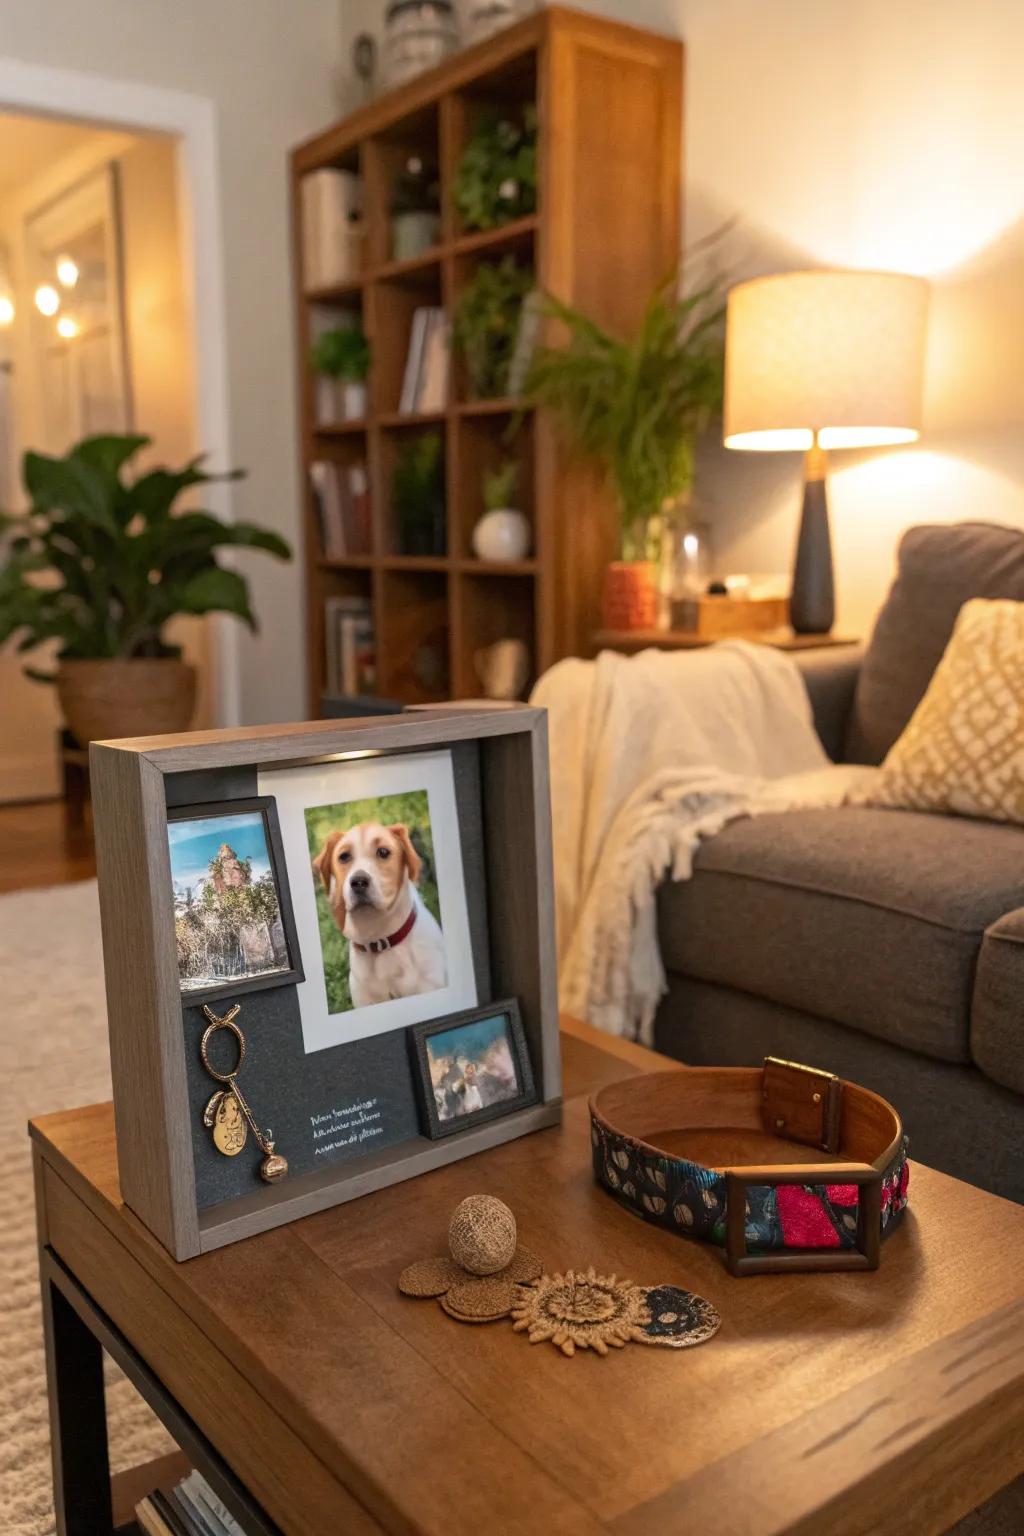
column 41, row 845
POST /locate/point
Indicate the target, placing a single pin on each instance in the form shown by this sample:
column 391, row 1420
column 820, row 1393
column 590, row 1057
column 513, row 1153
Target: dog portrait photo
column 229, row 925
column 374, row 857
column 474, row 1067
column 376, row 887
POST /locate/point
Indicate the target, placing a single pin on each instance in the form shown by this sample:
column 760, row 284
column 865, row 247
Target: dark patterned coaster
column 679, row 1319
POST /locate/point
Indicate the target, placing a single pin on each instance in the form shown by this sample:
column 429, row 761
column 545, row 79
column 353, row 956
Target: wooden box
column 719, row 618
column 135, row 784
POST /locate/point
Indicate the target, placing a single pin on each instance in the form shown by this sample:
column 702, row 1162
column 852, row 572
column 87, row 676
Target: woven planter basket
column 106, row 700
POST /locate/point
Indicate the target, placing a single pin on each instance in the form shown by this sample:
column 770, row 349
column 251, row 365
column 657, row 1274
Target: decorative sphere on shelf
column 503, row 534
column 482, row 1235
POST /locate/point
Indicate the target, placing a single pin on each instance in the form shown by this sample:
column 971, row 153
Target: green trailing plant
column 500, row 486
column 496, row 179
column 417, row 495
column 487, row 322
column 100, row 562
column 342, row 353
column 637, row 406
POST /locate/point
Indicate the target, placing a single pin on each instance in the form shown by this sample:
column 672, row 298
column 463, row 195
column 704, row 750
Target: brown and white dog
column 396, row 947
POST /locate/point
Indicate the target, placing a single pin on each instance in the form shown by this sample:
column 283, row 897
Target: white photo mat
column 299, row 789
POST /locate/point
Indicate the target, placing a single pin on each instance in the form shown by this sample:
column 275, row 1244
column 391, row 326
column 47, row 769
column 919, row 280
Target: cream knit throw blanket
column 648, row 756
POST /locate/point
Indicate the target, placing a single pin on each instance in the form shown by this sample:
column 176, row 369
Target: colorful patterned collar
column 651, row 1132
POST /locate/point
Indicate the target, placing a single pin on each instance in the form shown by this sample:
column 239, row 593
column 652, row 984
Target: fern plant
column 637, row 406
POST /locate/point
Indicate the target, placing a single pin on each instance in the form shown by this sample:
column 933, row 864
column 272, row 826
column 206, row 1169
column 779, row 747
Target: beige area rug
column 53, row 1055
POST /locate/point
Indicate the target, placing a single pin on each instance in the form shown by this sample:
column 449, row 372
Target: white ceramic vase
column 502, row 535
column 339, row 400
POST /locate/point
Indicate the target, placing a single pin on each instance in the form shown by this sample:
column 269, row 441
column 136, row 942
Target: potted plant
column 341, row 360
column 496, row 178
column 99, row 564
column 636, row 407
column 417, row 495
column 503, row 533
column 415, row 210
column 487, row 323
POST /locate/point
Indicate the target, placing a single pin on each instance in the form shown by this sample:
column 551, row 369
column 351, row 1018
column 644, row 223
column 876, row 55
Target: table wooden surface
column 838, row 1403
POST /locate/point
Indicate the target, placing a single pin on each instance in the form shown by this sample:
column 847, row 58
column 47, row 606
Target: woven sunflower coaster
column 600, row 1312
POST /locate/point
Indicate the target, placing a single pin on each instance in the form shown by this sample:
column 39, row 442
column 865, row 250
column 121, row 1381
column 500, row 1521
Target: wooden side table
column 631, row 640
column 317, row 1400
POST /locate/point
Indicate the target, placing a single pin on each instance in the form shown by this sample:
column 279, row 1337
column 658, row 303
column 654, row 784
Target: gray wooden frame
column 144, row 1002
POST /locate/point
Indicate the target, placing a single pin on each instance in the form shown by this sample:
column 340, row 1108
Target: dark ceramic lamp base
column 812, row 605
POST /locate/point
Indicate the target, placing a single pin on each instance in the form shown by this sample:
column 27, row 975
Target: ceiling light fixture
column 47, row 299
column 67, row 271
column 66, row 327
column 6, row 310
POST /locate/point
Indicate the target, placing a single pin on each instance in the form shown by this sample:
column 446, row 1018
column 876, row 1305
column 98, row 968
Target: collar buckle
column 378, row 946
column 801, row 1103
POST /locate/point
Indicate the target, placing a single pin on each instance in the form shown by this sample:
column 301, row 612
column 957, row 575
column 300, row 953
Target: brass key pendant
column 227, row 1113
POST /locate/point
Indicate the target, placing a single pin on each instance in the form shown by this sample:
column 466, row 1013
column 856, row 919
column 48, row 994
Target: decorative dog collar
column 655, row 1135
column 378, row 946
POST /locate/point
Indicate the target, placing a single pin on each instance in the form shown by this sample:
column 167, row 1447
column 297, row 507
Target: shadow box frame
column 134, row 782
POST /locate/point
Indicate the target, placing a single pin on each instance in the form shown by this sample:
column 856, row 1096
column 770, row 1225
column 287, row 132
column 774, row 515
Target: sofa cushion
column 997, row 1017
column 939, row 569
column 870, row 918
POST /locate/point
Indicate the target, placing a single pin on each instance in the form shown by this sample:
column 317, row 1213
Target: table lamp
column 820, row 360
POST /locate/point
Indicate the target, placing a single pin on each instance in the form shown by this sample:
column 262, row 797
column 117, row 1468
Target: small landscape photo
column 378, row 909
column 227, row 913
column 472, row 1067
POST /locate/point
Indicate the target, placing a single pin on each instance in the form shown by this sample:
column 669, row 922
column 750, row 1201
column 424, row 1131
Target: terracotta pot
column 104, row 700
column 630, row 598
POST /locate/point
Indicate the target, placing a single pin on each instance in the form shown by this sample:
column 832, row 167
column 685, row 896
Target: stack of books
column 351, row 646
column 341, row 496
column 427, row 363
column 332, row 228
column 190, row 1509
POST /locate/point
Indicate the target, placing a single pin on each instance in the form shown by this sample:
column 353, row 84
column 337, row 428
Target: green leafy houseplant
column 637, row 406
column 417, row 495
column 100, row 563
column 496, row 179
column 487, row 322
column 342, row 353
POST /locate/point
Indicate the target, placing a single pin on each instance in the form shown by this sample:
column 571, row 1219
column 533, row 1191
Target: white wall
column 267, row 66
column 863, row 133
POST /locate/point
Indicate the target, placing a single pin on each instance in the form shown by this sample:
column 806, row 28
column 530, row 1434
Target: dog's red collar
column 378, row 946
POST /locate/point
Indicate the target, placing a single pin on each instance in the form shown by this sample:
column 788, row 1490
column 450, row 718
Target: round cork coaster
column 524, row 1268
column 479, row 1301
column 430, row 1277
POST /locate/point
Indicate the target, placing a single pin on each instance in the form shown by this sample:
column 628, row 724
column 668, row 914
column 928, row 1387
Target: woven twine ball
column 482, row 1235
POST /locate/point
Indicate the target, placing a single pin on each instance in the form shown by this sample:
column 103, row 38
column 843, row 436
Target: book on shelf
column 158, row 1515
column 341, row 497
column 427, row 363
column 351, row 646
column 198, row 1505
column 332, row 227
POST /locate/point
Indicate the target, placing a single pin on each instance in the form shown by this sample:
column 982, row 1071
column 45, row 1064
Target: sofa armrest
column 996, row 1032
column 830, row 676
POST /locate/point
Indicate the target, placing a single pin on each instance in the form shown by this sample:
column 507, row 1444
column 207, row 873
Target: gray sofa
column 885, row 945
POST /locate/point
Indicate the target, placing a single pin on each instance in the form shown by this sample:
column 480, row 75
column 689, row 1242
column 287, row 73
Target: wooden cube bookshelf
column 606, row 232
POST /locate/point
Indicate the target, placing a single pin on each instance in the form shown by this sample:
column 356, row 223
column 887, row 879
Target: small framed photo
column 233, row 924
column 472, row 1067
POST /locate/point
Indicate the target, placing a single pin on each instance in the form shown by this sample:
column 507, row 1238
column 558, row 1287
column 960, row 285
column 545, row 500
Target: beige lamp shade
column 839, row 354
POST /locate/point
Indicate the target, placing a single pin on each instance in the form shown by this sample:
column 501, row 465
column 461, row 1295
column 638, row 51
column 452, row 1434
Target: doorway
column 96, row 335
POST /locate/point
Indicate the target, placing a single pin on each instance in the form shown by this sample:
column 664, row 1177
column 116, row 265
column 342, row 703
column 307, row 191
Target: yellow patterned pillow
column 963, row 748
